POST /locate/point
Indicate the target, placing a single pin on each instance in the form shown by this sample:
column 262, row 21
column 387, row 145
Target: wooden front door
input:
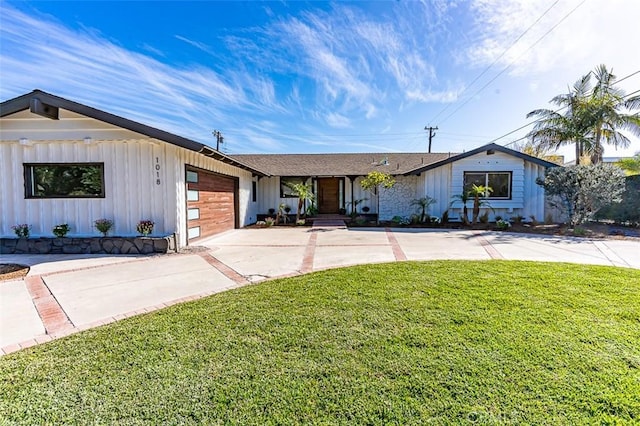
column 328, row 195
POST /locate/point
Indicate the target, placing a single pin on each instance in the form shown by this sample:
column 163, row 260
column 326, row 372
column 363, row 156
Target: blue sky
column 278, row 77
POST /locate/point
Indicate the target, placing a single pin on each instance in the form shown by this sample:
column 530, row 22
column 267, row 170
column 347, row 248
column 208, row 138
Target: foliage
column 628, row 210
column 401, row 220
column 445, row 217
column 463, row 198
column 593, row 114
column 22, row 230
column 354, row 205
column 476, row 192
column 145, row 227
column 51, row 180
column 517, row 219
column 484, row 217
column 538, row 150
column 403, row 343
column 261, row 223
column 61, row 230
column 103, row 226
column 304, row 192
column 376, row 179
column 581, row 191
column 423, row 205
column 630, row 165
column 502, row 225
column 301, row 222
column 269, row 221
column 282, row 214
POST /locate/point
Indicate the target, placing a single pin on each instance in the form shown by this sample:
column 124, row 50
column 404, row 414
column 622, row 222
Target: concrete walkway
column 64, row 294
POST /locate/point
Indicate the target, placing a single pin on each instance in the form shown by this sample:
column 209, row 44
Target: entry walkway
column 64, row 294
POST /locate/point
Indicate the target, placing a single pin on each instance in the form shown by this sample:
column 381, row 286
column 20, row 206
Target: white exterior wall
column 133, row 163
column 527, row 198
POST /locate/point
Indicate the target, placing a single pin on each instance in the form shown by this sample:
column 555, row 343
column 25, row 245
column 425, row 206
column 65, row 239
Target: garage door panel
column 216, row 204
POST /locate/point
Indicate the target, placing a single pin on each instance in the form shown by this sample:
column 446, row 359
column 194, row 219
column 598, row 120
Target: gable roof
column 484, row 148
column 46, row 104
column 356, row 164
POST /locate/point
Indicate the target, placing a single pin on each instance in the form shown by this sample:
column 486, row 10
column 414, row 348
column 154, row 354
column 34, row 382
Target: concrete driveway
column 64, row 294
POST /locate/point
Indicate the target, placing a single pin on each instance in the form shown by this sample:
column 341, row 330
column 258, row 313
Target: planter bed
column 88, row 245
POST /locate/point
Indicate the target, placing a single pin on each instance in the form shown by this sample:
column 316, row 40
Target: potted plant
column 145, row 227
column 103, row 226
column 61, row 230
column 272, row 211
column 365, row 209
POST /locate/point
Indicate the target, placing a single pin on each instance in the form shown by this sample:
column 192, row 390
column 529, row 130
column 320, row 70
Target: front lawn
column 402, row 343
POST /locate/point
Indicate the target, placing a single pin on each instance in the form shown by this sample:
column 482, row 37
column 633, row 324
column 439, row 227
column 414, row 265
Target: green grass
column 403, row 343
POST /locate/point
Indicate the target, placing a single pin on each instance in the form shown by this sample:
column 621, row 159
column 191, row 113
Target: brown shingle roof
column 338, row 164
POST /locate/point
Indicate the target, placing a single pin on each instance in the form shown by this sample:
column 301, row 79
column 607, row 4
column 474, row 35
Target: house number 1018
column 157, row 171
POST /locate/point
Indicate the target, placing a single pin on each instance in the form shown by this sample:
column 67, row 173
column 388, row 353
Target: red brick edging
column 309, row 254
column 486, row 245
column 398, row 253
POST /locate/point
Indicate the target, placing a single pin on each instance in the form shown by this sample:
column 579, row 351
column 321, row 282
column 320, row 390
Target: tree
column 304, row 192
column 423, row 205
column 375, row 180
column 464, row 199
column 581, row 191
column 538, row 150
column 594, row 114
column 476, row 192
column 630, row 165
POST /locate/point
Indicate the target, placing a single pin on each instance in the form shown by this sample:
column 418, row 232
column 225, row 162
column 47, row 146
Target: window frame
column 486, row 174
column 283, row 194
column 29, row 193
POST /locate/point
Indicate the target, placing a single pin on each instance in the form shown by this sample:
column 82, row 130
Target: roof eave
column 23, row 102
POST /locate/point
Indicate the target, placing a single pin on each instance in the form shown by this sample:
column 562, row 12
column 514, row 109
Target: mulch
column 12, row 271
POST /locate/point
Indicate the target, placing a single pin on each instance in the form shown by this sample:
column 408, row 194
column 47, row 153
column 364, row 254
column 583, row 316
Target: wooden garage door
column 211, row 203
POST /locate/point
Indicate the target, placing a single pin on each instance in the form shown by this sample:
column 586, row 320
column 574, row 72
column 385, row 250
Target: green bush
column 628, row 210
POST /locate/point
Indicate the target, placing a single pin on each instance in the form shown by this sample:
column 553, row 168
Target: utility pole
column 219, row 139
column 432, row 133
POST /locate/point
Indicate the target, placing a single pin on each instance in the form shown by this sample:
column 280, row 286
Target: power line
column 497, row 59
column 511, row 63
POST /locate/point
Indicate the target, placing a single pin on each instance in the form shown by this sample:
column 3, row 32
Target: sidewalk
column 64, row 294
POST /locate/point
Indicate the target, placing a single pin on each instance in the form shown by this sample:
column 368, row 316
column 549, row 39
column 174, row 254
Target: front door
column 328, row 195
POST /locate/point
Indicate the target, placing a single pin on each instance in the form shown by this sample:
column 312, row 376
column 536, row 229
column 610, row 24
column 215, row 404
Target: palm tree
column 423, row 205
column 476, row 192
column 464, row 199
column 304, row 193
column 594, row 115
column 553, row 130
column 604, row 112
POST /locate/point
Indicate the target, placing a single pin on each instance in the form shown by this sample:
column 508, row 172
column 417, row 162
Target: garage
column 212, row 203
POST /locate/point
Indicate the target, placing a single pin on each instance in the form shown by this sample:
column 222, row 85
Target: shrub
column 400, row 220
column 261, row 223
column 502, row 225
column 581, row 191
column 628, row 210
column 61, row 230
column 484, row 217
column 517, row 219
column 103, row 226
column 445, row 217
column 301, row 222
column 435, row 220
column 269, row 221
column 22, row 230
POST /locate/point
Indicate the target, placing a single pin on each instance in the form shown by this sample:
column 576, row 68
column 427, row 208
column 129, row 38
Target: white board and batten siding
column 144, row 178
column 527, row 198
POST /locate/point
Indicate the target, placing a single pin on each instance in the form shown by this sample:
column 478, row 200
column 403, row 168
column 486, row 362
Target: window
column 500, row 182
column 254, row 191
column 285, row 190
column 192, row 176
column 64, row 180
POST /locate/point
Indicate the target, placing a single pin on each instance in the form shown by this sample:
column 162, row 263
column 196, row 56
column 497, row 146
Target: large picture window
column 285, row 190
column 500, row 182
column 64, row 180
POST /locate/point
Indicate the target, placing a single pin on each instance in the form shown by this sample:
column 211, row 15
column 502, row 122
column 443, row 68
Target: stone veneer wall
column 89, row 245
column 396, row 201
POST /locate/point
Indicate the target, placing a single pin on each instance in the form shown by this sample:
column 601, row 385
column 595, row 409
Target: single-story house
column 64, row 162
column 336, row 178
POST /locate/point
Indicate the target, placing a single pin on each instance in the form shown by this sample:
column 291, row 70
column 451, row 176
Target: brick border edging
column 59, row 328
column 487, row 246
